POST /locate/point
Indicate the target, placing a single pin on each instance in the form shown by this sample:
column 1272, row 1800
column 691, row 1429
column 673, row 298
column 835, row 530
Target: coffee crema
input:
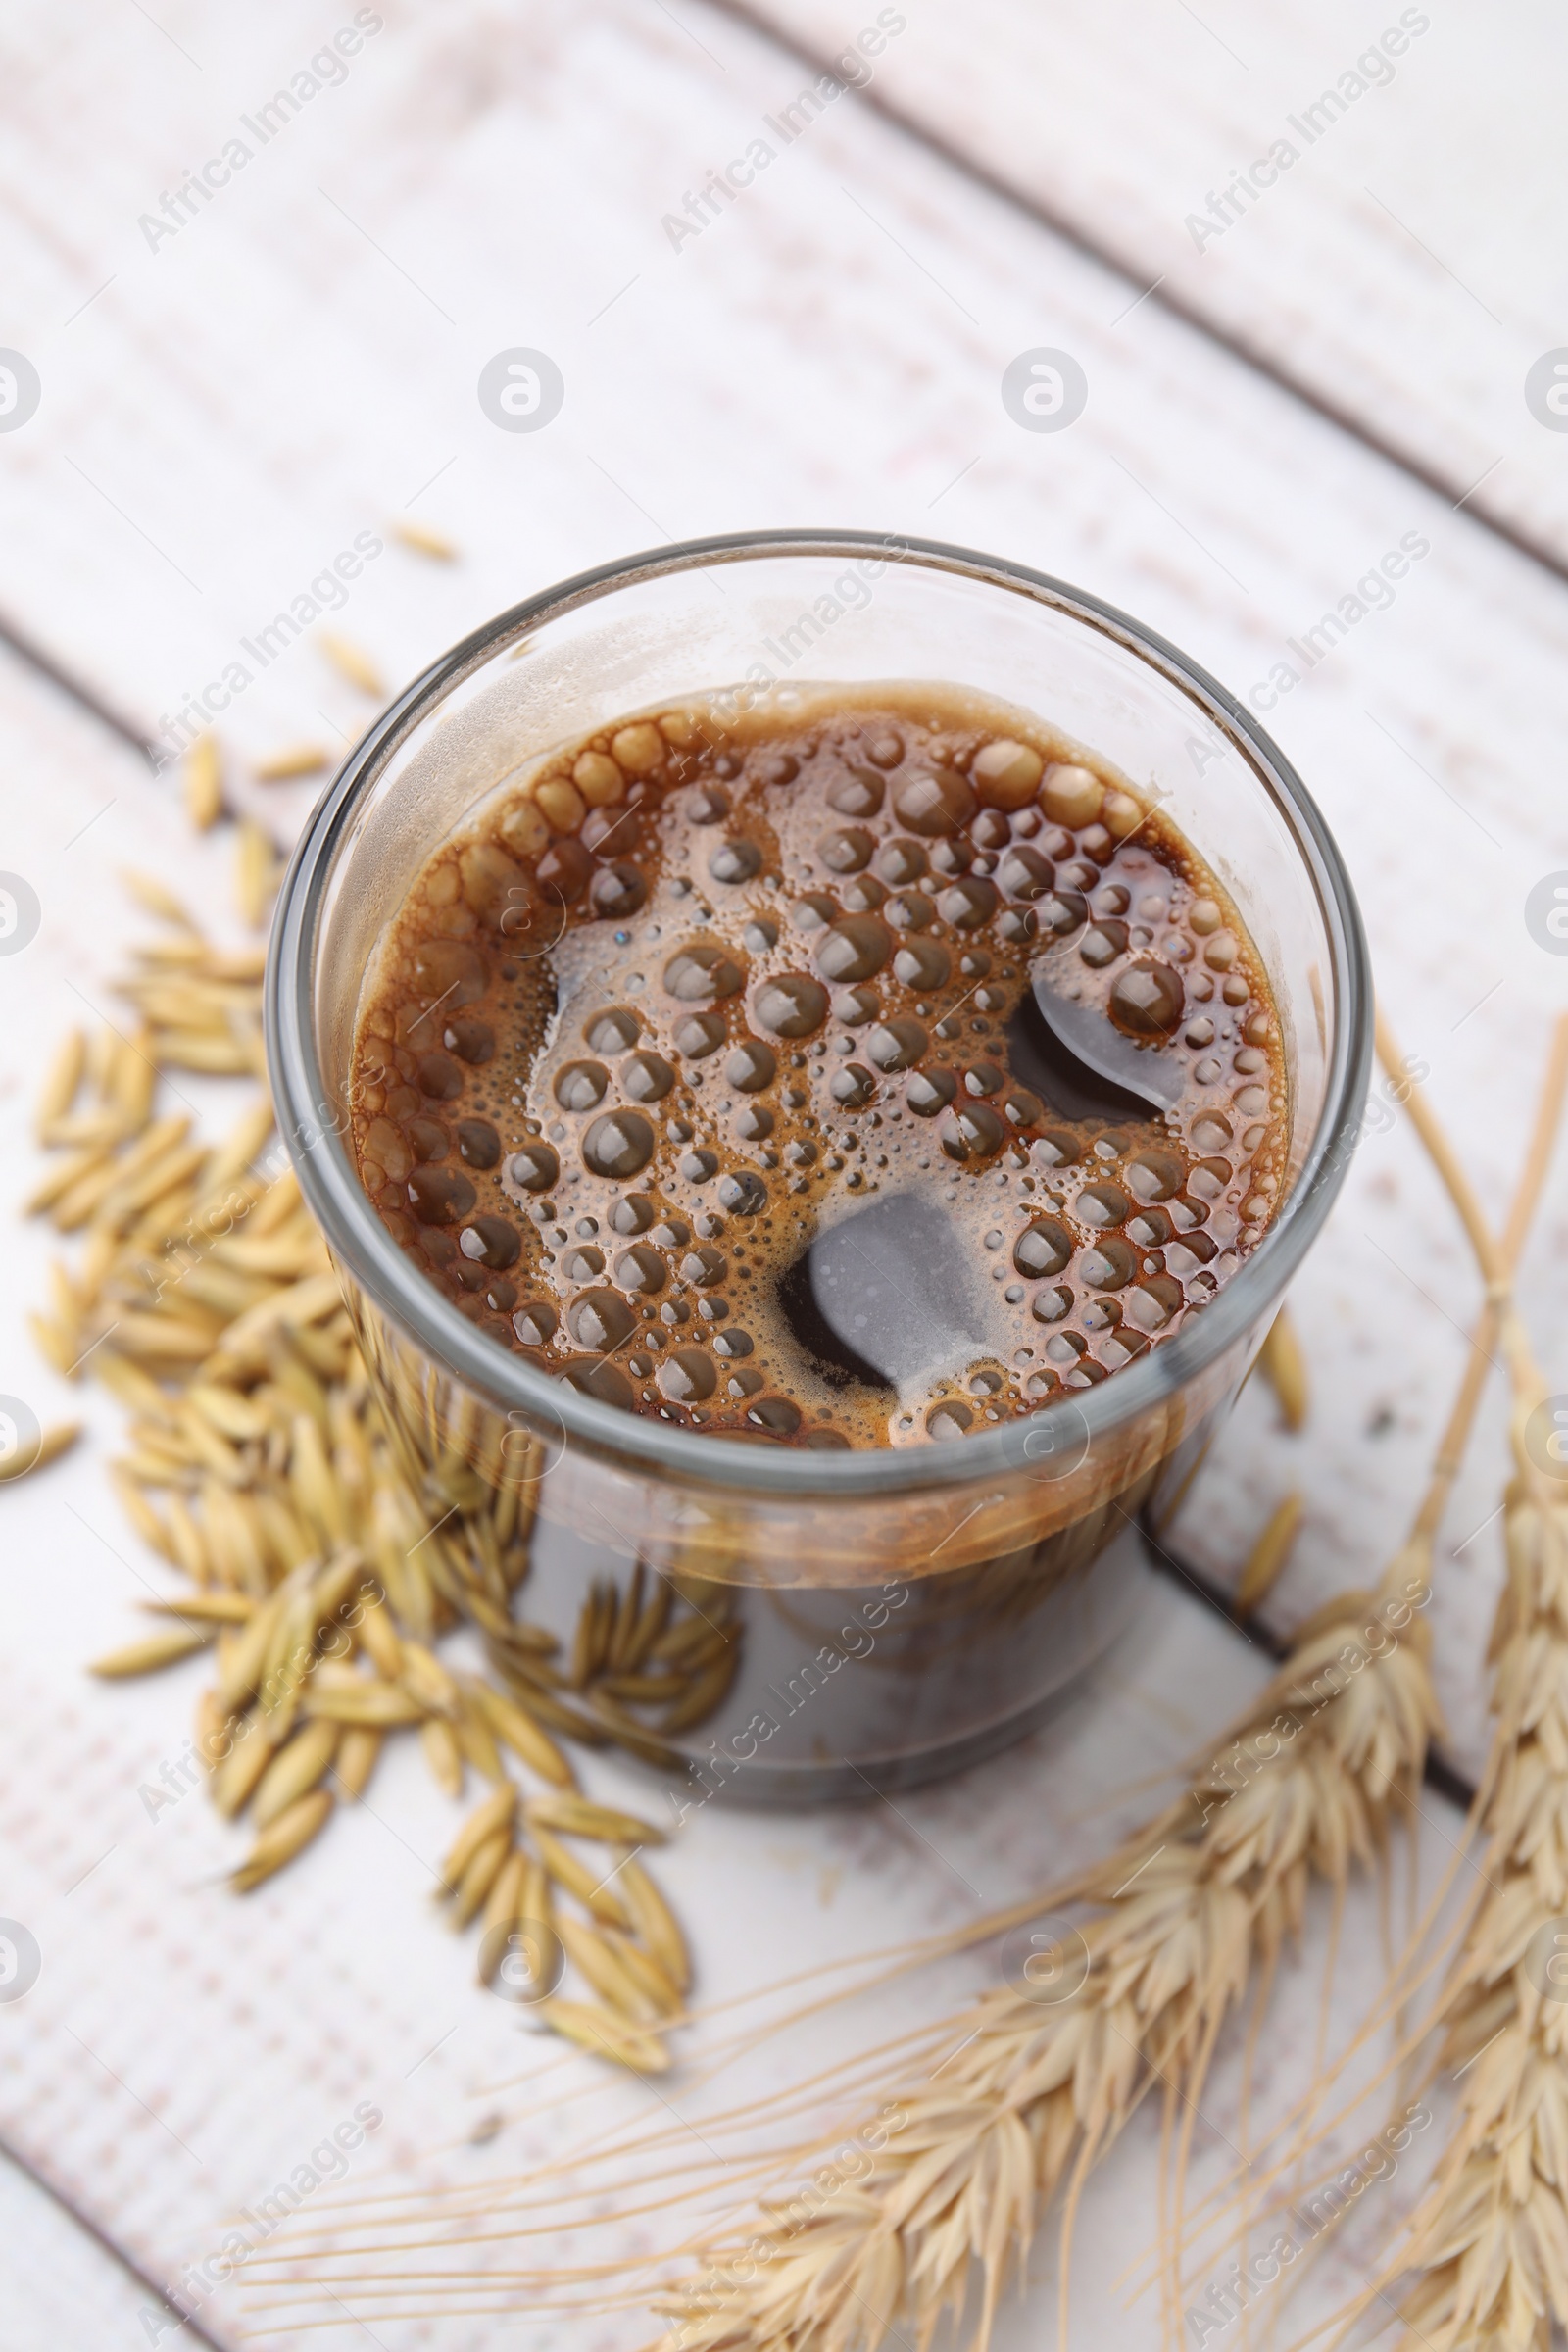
column 866, row 1070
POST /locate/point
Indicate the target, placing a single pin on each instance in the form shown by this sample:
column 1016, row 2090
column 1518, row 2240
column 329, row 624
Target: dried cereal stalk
column 1033, row 2091
column 1483, row 2259
column 260, row 1466
column 1031, row 2095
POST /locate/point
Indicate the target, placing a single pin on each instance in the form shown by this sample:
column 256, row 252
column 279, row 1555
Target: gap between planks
column 1458, row 496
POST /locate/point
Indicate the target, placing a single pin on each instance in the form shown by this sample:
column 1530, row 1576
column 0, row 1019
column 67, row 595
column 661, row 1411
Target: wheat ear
column 1024, row 2093
column 1484, row 2260
column 1031, row 2094
column 1033, row 2091
column 1420, row 1962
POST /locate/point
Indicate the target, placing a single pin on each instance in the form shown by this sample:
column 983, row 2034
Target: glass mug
column 770, row 1623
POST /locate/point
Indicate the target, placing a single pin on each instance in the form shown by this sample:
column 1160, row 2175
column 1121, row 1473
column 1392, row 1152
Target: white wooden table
column 225, row 407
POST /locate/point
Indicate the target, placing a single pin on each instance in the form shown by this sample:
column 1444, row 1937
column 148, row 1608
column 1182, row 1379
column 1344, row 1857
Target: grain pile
column 258, row 1466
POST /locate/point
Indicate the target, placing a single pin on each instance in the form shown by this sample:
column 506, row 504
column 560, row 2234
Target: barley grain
column 654, row 1981
column 358, row 1751
column 595, row 1959
column 506, row 1893
column 351, row 662
column 654, row 1923
column 51, row 1446
column 282, row 1839
column 581, row 1819
column 294, row 1770
column 474, row 1737
column 237, row 1417
column 62, row 1082
column 1283, row 1367
column 204, row 783
column 1266, row 1561
column 513, row 1724
column 236, row 1777
column 590, row 1887
column 439, row 1744
column 298, row 759
column 427, row 1680
column 211, row 1608
column 62, row 1181
column 424, row 541
column 479, row 1876
column 257, row 873
column 379, row 1640
column 368, row 1702
column 493, row 1818
column 606, row 2036
column 238, row 1151
column 158, row 1649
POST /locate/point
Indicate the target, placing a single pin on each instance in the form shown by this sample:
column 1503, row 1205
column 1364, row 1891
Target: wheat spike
column 1030, row 2094
column 1483, row 2259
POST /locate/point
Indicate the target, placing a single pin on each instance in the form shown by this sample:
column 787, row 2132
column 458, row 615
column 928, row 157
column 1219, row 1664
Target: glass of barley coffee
column 816, row 1057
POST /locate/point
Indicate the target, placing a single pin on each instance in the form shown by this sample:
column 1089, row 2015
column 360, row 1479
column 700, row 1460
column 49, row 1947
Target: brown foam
column 710, row 1073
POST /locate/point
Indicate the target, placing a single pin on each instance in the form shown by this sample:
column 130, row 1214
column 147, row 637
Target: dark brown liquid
column 863, row 1076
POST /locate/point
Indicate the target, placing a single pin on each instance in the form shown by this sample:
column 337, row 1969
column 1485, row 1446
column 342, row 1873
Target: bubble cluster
column 862, row 1076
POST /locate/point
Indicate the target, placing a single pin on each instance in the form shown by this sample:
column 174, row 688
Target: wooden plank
column 63, row 2284
column 182, row 2056
column 829, row 346
column 1188, row 491
column 1360, row 202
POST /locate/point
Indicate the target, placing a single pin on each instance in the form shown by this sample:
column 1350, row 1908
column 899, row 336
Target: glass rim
column 360, row 1245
